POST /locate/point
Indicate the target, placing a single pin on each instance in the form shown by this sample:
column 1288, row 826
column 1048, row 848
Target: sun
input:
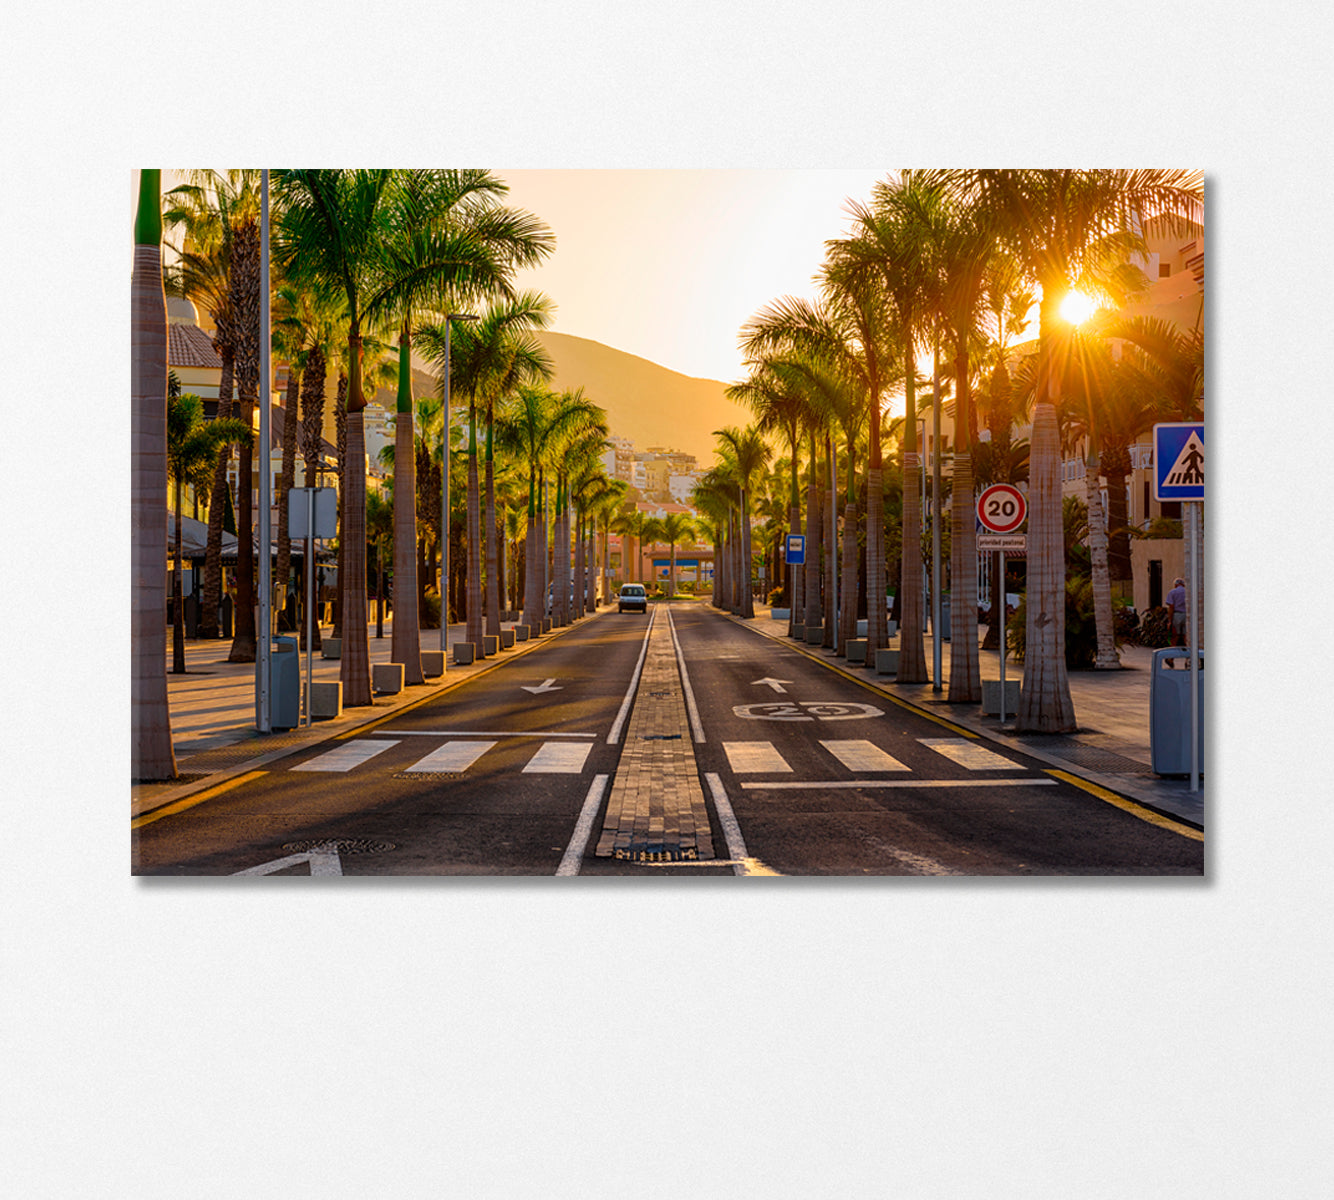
column 1077, row 307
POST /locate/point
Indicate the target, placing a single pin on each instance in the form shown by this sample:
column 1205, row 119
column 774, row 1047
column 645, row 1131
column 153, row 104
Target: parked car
column 633, row 597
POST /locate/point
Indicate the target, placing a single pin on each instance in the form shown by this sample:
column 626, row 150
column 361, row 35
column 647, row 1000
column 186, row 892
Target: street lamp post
column 444, row 494
column 263, row 697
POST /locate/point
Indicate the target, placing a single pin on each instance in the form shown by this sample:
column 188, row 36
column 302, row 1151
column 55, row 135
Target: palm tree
column 630, row 526
column 151, row 755
column 207, row 211
column 714, row 495
column 380, row 522
column 1064, row 226
column 192, row 449
column 672, row 529
column 750, row 454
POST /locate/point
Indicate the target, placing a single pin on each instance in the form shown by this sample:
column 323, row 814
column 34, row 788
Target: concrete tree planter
column 326, row 700
column 331, row 648
column 886, row 662
column 780, row 614
column 521, row 633
column 546, row 624
column 856, row 651
column 799, row 632
column 387, row 678
column 433, row 663
column 507, row 639
column 815, row 635
column 464, row 654
column 490, row 645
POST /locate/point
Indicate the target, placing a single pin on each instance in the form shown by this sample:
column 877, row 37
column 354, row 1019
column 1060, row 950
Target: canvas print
column 668, row 524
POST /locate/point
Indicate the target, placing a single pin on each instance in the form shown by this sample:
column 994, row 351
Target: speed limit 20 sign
column 1002, row 508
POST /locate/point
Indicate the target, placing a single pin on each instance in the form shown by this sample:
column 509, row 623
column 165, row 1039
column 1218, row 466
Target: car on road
column 633, row 597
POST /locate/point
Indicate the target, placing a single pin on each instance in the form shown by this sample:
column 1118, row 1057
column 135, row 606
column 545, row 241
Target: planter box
column 331, row 648
column 780, row 614
column 506, row 639
column 855, row 651
column 464, row 654
column 521, row 633
column 815, row 635
column 490, row 644
column 799, row 631
column 991, row 695
column 326, row 700
column 886, row 662
column 387, row 678
column 546, row 624
column 433, row 663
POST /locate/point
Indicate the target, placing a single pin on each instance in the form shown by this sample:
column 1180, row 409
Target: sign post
column 1002, row 508
column 1178, row 475
column 311, row 513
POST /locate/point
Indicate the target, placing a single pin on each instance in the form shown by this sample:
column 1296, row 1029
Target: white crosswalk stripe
column 861, row 755
column 452, row 756
column 344, row 758
column 970, row 755
column 746, row 758
column 558, row 758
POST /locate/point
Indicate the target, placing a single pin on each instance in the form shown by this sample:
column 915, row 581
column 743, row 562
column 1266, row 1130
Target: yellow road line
column 197, row 798
column 1135, row 810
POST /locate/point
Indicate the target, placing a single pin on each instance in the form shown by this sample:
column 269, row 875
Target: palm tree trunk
column 476, row 619
column 340, row 435
column 151, row 753
column 312, row 432
column 1107, row 659
column 249, row 541
column 177, row 599
column 814, row 546
column 405, row 646
column 492, row 545
column 354, row 671
column 847, row 626
column 283, row 570
column 1044, row 699
column 532, row 574
column 965, row 669
column 211, row 596
column 912, row 656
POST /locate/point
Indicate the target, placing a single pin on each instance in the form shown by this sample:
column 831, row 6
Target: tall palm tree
column 1064, row 226
column 379, row 530
column 192, row 449
column 630, row 526
column 673, row 529
column 714, row 496
column 151, row 754
column 751, row 454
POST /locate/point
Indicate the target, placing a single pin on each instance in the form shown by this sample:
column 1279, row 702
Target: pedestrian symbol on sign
column 1188, row 470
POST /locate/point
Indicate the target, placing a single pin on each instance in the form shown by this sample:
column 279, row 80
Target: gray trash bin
column 1169, row 712
column 944, row 618
column 284, row 684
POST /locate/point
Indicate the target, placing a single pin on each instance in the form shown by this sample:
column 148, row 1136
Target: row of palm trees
column 927, row 291
column 361, row 257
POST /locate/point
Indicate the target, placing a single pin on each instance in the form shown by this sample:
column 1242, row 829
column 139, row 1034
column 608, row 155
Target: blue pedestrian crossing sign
column 795, row 551
column 1178, row 461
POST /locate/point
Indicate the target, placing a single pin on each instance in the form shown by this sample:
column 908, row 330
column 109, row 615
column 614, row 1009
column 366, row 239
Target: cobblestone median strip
column 656, row 812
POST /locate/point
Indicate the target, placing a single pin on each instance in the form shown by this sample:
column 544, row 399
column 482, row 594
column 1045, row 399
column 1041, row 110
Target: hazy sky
column 668, row 264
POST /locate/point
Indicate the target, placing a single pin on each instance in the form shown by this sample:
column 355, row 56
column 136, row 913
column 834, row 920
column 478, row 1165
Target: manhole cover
column 430, row 776
column 656, row 854
column 342, row 845
column 660, row 737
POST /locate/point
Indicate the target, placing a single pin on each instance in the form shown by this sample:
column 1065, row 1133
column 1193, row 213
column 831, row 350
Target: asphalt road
column 822, row 776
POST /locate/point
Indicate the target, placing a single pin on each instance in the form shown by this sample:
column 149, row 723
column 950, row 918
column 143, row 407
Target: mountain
column 648, row 403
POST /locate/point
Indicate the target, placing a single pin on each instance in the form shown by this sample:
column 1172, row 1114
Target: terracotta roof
column 190, row 346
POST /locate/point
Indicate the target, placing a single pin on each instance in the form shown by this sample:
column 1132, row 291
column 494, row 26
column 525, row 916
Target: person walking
column 1176, row 601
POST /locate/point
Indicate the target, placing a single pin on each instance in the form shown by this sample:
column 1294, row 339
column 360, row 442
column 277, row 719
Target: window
column 1164, row 270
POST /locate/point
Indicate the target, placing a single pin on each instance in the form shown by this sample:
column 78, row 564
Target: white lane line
column 824, row 784
column 583, row 829
column 861, row 755
column 751, row 758
column 452, row 756
column 558, row 758
column 970, row 755
column 615, row 735
column 695, row 726
column 491, row 733
column 344, row 758
column 738, row 855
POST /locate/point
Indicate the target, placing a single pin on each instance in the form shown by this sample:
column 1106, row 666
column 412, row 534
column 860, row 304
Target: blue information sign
column 1178, row 461
column 796, row 550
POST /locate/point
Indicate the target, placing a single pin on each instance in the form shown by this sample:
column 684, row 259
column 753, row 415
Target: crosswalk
column 861, row 756
column 453, row 757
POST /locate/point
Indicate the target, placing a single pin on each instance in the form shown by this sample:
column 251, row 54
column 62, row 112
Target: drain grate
column 431, row 776
column 1097, row 759
column 656, row 853
column 659, row 737
column 341, row 845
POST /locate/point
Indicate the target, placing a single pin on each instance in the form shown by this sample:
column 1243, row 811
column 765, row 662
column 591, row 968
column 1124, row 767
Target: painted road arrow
column 776, row 684
column 548, row 686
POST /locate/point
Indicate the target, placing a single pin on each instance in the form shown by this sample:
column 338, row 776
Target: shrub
column 775, row 597
column 1081, row 630
column 1125, row 624
column 1155, row 630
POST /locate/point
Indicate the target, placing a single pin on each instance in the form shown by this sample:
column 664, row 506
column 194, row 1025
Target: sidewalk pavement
column 215, row 736
column 213, row 719
column 1110, row 748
